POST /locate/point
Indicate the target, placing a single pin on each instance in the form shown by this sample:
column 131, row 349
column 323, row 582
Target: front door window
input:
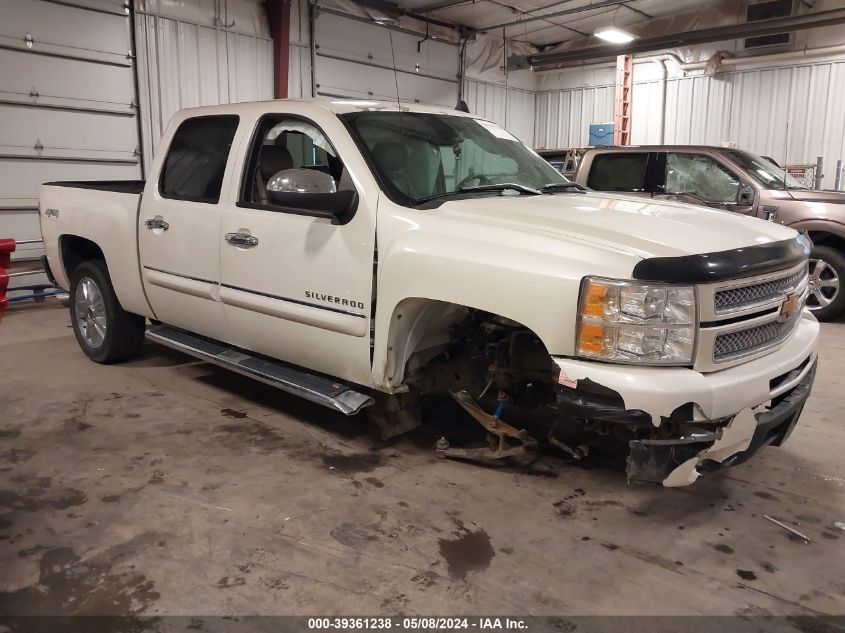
column 702, row 177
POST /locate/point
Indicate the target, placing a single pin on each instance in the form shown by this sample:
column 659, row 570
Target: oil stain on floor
column 68, row 585
column 470, row 550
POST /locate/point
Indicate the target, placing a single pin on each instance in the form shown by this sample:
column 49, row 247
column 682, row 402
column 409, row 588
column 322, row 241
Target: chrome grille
column 753, row 339
column 744, row 296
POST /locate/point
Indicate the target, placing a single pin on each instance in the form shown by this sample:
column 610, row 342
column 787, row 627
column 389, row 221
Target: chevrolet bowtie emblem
column 789, row 307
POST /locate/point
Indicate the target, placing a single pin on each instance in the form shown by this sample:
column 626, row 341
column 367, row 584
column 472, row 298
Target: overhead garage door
column 356, row 59
column 67, row 96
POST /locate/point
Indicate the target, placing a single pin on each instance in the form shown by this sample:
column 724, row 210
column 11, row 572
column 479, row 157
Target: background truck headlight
column 632, row 322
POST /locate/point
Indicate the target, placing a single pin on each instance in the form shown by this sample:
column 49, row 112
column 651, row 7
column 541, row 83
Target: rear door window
column 196, row 159
column 624, row 171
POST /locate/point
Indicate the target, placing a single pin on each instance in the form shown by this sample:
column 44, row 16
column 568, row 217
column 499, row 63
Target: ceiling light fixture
column 613, row 35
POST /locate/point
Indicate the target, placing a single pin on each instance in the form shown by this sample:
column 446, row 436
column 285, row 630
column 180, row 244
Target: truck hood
column 830, row 197
column 640, row 226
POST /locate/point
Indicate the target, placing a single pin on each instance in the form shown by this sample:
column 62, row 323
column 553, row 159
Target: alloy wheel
column 90, row 312
column 824, row 284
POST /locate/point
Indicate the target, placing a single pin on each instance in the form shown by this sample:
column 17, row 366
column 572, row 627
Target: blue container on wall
column 601, row 134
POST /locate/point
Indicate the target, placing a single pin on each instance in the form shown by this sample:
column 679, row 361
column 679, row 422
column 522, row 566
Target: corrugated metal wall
column 752, row 108
column 646, row 122
column 748, row 107
column 564, row 116
column 512, row 108
column 198, row 53
column 66, row 104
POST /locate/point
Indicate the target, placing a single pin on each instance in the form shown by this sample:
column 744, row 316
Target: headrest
column 390, row 155
column 273, row 159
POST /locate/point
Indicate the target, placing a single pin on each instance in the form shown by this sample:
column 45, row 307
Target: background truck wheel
column 104, row 330
column 827, row 269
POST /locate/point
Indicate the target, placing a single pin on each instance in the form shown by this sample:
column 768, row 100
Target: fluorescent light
column 613, row 35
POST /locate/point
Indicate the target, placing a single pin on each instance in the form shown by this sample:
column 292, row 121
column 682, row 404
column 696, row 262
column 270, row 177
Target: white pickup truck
column 360, row 253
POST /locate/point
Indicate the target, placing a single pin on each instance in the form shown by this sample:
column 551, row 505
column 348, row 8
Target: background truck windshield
column 763, row 171
column 418, row 155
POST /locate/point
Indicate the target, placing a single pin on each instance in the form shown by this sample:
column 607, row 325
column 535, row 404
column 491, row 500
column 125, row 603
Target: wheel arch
column 74, row 250
column 420, row 326
column 124, row 273
column 826, row 238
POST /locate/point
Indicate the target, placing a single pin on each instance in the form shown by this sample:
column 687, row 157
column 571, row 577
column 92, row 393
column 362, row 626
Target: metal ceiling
column 546, row 22
column 699, row 36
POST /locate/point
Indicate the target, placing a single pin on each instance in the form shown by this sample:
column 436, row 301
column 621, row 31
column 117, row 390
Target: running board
column 298, row 382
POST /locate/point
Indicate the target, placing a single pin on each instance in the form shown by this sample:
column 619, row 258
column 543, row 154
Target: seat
column 390, row 156
column 271, row 160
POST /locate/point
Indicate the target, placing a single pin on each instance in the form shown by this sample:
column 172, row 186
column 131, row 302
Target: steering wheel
column 482, row 180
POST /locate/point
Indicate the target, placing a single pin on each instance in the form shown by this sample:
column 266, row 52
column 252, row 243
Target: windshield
column 418, row 156
column 763, row 171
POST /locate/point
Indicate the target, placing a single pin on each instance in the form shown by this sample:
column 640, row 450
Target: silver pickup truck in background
column 738, row 181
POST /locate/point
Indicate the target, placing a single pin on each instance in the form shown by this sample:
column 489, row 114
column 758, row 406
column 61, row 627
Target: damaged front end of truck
column 686, row 444
column 665, row 443
column 688, row 375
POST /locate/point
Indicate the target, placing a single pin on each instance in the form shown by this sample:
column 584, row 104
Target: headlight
column 632, row 322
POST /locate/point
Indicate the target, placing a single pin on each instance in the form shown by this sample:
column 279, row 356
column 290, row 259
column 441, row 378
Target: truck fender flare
column 417, row 325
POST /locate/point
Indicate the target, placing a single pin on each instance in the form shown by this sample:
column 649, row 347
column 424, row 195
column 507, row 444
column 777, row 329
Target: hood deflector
column 724, row 265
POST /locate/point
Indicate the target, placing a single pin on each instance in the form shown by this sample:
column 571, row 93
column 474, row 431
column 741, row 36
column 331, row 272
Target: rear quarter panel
column 107, row 218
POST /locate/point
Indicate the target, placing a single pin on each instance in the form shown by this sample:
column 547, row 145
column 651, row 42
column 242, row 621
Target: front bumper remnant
column 679, row 462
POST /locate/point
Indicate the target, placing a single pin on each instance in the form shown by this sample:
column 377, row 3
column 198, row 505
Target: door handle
column 156, row 223
column 241, row 239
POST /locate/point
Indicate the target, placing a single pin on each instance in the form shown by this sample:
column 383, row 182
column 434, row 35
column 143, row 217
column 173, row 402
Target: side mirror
column 301, row 181
column 745, row 195
column 311, row 192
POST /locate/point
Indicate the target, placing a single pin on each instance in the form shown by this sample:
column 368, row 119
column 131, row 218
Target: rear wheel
column 103, row 329
column 827, row 270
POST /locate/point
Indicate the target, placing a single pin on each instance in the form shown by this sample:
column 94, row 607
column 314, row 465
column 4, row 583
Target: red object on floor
column 7, row 247
column 4, row 282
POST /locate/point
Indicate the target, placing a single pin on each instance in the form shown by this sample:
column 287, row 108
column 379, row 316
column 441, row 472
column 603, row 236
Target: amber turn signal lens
column 591, row 338
column 596, row 299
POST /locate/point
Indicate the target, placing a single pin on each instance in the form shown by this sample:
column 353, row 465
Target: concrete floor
column 167, row 486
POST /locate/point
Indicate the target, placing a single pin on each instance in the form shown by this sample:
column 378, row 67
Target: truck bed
column 104, row 213
column 117, row 186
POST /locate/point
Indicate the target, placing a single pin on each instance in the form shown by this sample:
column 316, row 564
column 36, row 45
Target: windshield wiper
column 563, row 186
column 507, row 186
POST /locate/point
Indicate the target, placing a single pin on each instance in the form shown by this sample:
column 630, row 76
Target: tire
column 103, row 329
column 827, row 265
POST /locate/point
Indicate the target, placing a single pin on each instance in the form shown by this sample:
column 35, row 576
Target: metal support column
column 278, row 15
column 312, row 43
column 622, row 100
column 819, row 173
